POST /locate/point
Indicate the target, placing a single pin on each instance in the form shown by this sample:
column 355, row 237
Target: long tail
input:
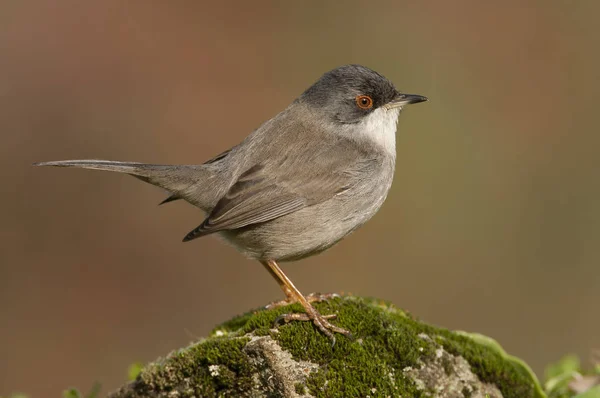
column 177, row 179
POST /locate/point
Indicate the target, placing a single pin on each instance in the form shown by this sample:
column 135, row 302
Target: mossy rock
column 392, row 354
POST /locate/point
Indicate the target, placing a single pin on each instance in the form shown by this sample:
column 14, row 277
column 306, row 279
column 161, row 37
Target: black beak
column 405, row 99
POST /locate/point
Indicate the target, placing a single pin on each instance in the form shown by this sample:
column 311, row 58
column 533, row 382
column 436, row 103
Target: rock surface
column 391, row 355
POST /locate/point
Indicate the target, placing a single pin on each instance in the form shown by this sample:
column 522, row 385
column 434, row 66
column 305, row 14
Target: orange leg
column 294, row 295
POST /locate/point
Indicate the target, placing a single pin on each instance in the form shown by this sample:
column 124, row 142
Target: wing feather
column 262, row 193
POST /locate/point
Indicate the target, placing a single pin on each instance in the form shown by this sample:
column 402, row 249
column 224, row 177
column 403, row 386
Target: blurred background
column 492, row 224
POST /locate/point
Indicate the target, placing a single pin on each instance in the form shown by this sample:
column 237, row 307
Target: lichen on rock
column 391, row 355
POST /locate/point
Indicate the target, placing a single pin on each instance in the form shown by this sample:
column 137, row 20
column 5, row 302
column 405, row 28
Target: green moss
column 373, row 359
column 386, row 340
column 300, row 389
column 491, row 363
column 208, row 368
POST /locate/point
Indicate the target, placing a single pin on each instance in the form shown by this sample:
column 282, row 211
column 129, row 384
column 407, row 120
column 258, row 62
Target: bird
column 299, row 183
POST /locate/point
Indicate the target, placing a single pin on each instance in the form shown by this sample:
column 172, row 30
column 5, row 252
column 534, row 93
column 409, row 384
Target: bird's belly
column 307, row 231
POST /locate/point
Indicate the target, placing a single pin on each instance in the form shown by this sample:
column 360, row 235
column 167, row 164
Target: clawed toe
column 319, row 297
column 320, row 321
column 285, row 318
column 311, row 298
column 277, row 304
column 294, row 296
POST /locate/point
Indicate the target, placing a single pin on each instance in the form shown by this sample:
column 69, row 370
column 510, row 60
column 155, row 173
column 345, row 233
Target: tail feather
column 134, row 168
column 170, row 198
column 177, row 179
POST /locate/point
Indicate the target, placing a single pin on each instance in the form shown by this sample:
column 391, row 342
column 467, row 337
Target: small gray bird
column 300, row 182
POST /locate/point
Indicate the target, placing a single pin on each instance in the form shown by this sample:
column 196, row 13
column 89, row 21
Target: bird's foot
column 320, row 321
column 311, row 298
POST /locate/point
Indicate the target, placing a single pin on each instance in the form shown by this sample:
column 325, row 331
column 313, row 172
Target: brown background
column 492, row 224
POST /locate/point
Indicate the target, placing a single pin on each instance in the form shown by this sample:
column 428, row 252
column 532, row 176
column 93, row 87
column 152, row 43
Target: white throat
column 380, row 128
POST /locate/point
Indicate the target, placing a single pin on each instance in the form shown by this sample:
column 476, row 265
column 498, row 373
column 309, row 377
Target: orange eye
column 364, row 102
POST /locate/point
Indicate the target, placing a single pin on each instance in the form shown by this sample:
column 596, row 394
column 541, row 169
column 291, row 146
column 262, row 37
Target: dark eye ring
column 364, row 102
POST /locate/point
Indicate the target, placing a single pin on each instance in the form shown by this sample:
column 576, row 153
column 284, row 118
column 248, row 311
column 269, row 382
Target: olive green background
column 492, row 224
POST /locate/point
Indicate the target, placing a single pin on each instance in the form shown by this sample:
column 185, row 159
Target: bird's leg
column 292, row 293
column 290, row 297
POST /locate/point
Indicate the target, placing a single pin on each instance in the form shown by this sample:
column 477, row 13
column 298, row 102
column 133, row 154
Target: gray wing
column 219, row 157
column 266, row 191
